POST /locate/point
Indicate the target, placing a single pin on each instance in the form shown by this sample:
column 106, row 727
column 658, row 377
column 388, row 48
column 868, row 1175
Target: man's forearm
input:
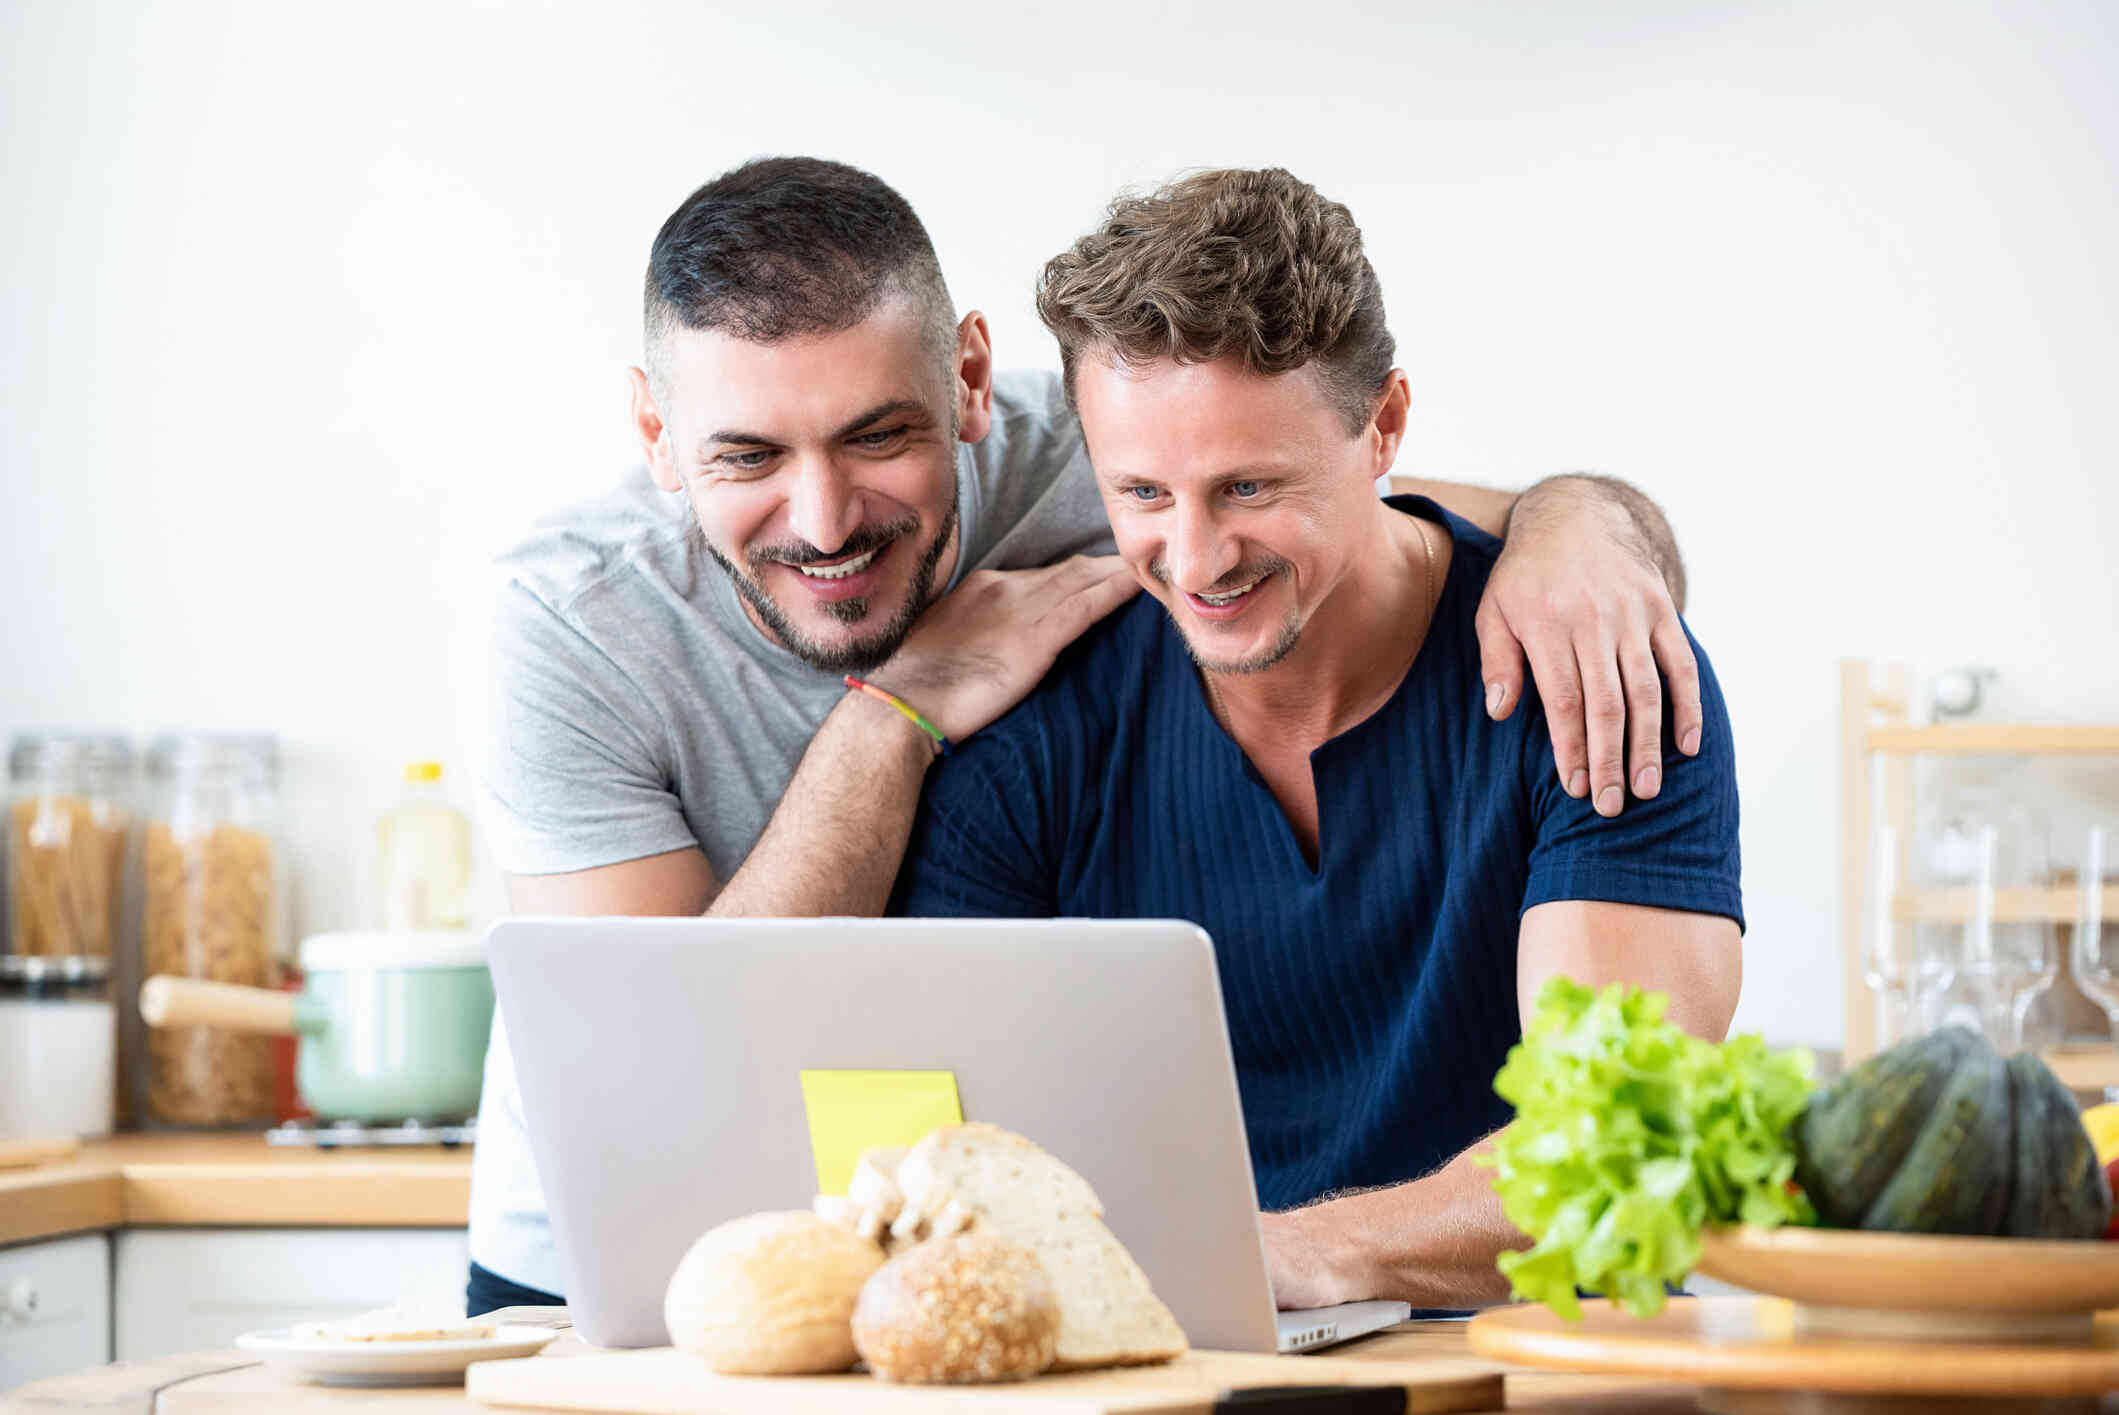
column 838, row 837
column 1483, row 506
column 835, row 843
column 1431, row 1242
column 1443, row 1233
column 1637, row 521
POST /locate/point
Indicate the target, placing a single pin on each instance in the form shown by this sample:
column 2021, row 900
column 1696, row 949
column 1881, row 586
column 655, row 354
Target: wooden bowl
column 1921, row 1286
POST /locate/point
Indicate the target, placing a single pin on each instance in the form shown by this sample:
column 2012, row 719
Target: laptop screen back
column 660, row 1068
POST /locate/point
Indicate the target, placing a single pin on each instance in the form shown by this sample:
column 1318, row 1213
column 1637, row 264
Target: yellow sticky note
column 850, row 1111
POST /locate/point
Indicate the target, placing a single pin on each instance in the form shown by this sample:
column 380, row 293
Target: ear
column 974, row 378
column 1386, row 431
column 653, row 433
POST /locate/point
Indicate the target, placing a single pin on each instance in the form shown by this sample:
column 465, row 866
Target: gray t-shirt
column 637, row 710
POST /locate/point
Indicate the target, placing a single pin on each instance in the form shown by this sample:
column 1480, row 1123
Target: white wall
column 307, row 309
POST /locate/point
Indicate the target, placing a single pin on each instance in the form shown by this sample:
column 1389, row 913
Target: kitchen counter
column 233, row 1180
column 230, row 1383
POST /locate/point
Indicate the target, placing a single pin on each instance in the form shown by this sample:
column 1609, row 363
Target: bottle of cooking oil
column 424, row 855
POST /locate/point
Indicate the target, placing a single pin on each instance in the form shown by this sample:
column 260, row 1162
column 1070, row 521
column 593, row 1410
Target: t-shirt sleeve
column 979, row 844
column 574, row 759
column 1676, row 851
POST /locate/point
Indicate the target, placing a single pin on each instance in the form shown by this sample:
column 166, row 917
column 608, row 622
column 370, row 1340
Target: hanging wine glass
column 2008, row 968
column 1901, row 975
column 2094, row 959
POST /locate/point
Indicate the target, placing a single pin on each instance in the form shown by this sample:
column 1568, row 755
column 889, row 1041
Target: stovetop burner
column 351, row 1134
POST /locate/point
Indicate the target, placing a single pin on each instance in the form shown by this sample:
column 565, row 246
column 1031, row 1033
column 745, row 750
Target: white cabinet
column 54, row 1308
column 197, row 1289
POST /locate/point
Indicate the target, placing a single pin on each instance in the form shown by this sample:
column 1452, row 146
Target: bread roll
column 770, row 1294
column 956, row 1310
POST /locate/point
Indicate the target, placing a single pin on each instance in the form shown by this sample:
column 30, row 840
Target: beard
column 1256, row 574
column 855, row 655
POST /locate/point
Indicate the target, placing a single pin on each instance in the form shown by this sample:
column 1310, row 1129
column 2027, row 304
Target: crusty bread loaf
column 970, row 1307
column 1007, row 1187
column 770, row 1294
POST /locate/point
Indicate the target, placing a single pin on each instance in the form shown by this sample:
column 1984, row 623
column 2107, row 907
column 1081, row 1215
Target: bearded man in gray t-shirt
column 837, row 483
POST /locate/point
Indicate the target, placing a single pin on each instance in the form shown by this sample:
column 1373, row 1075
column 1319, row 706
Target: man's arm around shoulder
column 1588, row 589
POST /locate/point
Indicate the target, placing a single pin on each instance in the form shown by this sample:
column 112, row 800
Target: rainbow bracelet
column 941, row 743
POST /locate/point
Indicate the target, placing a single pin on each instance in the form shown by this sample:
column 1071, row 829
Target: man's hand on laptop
column 980, row 648
column 1308, row 1259
column 1584, row 587
column 1429, row 1241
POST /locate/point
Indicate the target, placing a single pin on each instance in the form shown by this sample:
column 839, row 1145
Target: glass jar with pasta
column 210, row 868
column 69, row 818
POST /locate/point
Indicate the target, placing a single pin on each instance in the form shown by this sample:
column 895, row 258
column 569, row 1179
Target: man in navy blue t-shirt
column 1284, row 741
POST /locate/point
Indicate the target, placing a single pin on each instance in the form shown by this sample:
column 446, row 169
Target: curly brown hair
column 1254, row 265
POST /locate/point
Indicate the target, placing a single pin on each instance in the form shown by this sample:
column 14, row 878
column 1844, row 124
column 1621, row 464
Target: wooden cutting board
column 666, row 1382
column 1747, row 1354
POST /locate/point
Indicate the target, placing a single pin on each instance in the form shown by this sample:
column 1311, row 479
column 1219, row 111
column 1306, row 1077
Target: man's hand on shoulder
column 1589, row 587
column 978, row 650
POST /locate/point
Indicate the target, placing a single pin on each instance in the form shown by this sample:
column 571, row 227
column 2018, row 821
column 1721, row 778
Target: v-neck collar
column 1204, row 707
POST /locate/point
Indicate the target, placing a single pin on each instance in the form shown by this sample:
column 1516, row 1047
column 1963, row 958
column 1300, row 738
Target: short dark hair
column 786, row 246
column 1257, row 266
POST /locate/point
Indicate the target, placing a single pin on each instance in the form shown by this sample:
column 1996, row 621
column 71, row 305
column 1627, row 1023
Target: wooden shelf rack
column 2082, row 1068
column 1873, row 728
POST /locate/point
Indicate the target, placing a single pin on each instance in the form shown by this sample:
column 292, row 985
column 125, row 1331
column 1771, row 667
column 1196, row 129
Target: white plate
column 390, row 1363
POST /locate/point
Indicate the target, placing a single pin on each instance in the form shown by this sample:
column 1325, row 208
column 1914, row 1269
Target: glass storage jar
column 69, row 820
column 210, row 867
column 56, row 1025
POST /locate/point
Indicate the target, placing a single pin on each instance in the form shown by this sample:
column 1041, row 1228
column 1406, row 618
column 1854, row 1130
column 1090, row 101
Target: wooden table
column 230, row 1383
column 232, row 1180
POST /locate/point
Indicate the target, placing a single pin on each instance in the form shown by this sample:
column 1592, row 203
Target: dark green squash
column 2060, row 1191
column 1955, row 1178
column 1854, row 1136
column 1940, row 1135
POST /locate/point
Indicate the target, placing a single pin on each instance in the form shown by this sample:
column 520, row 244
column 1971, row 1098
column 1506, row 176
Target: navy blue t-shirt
column 1371, row 999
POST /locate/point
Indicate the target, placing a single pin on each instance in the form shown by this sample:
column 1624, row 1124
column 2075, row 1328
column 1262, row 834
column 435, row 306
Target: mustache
column 1236, row 579
column 863, row 540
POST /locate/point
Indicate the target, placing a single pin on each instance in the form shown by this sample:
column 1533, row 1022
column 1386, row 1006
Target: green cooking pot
column 392, row 1026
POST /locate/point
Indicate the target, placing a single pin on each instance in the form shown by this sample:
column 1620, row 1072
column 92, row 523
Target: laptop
column 659, row 1062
